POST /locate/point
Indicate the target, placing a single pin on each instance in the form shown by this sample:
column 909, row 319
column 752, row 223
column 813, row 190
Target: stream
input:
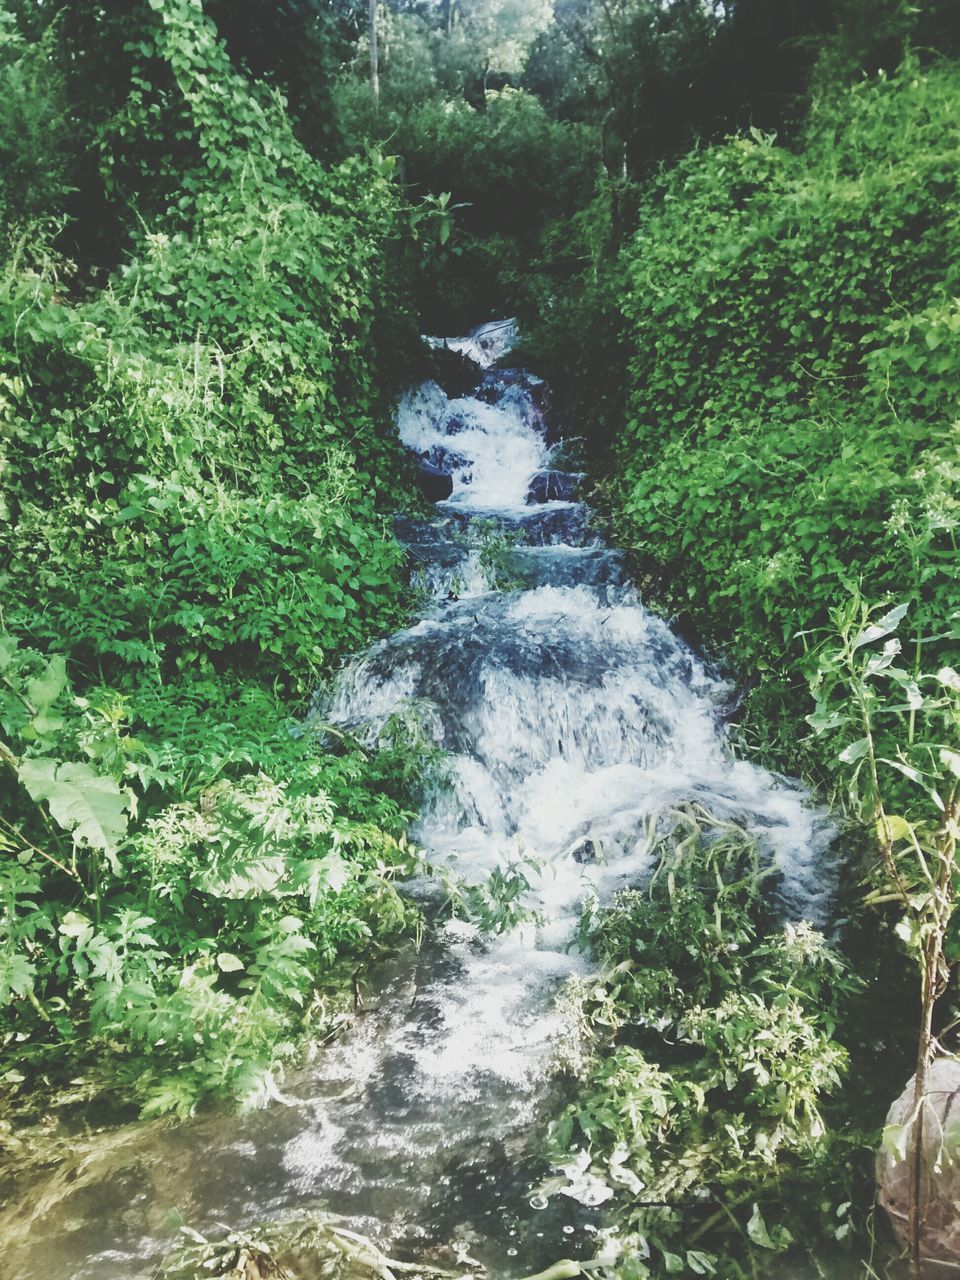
column 572, row 719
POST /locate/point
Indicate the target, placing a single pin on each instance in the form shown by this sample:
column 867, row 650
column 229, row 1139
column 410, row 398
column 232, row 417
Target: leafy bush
column 195, row 461
column 713, row 1049
column 193, row 464
column 508, row 169
column 32, row 130
column 794, row 376
column 186, row 890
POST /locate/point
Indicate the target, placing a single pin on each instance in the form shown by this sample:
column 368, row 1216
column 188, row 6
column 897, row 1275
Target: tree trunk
column 374, row 54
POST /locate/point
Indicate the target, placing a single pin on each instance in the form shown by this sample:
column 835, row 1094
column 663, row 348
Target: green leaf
column 701, row 1264
column 8, row 647
column 757, row 1230
column 855, row 751
column 899, row 828
column 889, row 622
column 94, row 809
column 44, row 689
column 822, row 720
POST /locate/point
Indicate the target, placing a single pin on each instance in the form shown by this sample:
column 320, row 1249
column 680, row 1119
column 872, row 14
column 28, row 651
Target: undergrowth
column 714, row 1063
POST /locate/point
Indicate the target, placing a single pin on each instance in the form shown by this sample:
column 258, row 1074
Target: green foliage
column 32, row 130
column 193, row 465
column 194, row 462
column 186, row 892
column 713, row 1049
column 793, row 376
column 510, row 169
column 898, row 734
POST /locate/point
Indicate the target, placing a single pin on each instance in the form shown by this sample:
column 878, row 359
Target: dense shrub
column 713, row 1052
column 195, row 451
column 196, row 461
column 508, row 171
column 185, row 884
column 794, row 373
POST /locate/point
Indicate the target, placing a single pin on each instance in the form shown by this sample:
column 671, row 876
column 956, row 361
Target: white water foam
column 575, row 721
column 484, row 345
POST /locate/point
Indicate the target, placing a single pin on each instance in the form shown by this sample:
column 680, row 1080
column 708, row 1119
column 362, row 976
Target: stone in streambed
column 553, row 486
column 584, row 851
column 434, row 484
column 448, row 460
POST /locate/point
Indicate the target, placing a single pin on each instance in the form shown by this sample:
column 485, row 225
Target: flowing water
column 573, row 721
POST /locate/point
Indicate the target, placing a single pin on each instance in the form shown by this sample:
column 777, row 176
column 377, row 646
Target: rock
column 497, row 382
column 434, row 484
column 553, row 486
column 584, row 851
column 447, row 460
column 454, row 371
column 521, row 390
column 940, row 1164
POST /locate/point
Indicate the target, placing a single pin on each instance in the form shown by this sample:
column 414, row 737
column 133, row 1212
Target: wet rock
column 447, row 460
column 939, row 1164
column 732, row 707
column 497, row 382
column 453, row 370
column 434, row 484
column 553, row 486
column 522, row 390
column 584, row 851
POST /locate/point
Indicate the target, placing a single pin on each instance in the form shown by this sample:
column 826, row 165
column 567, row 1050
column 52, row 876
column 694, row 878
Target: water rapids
column 572, row 719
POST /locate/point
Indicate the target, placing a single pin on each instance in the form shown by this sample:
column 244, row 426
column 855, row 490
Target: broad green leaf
column 855, row 751
column 337, row 872
column 757, row 1229
column 44, row 689
column 17, row 975
column 74, row 925
column 94, row 809
column 889, row 622
column 701, row 1264
column 8, row 647
column 822, row 720
column 899, row 828
column 881, row 661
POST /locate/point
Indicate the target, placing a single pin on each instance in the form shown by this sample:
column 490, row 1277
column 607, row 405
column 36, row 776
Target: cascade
column 572, row 720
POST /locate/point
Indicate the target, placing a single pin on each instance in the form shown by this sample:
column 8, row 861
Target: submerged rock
column 584, row 851
column 553, row 486
column 939, row 1167
column 434, row 484
column 447, row 460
